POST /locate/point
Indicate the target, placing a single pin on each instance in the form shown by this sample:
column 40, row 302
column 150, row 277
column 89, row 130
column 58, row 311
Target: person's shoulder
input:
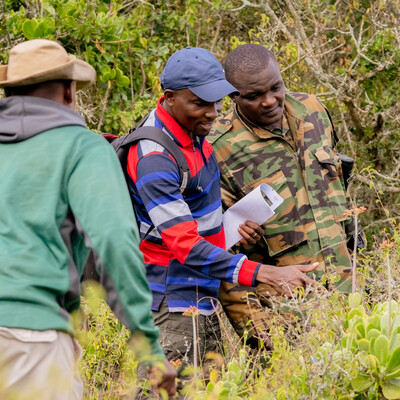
column 224, row 128
column 147, row 145
column 304, row 102
column 80, row 140
column 220, row 127
column 86, row 135
column 75, row 130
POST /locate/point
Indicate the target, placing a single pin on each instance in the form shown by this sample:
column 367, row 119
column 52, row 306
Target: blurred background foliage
column 347, row 52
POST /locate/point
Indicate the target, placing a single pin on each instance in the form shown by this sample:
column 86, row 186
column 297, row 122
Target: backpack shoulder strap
column 160, row 137
column 122, row 145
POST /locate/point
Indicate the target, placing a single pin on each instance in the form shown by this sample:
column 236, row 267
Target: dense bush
column 331, row 348
column 128, row 43
column 347, row 52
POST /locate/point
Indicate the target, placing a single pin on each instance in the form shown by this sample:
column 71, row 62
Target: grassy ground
column 332, row 347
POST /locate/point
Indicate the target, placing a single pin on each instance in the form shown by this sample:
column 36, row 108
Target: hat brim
column 76, row 70
column 214, row 91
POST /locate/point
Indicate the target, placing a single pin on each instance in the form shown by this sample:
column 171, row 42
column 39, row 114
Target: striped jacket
column 184, row 253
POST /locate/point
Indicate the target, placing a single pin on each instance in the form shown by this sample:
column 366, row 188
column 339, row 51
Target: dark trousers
column 176, row 338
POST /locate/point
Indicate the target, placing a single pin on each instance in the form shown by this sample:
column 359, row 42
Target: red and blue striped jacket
column 184, row 253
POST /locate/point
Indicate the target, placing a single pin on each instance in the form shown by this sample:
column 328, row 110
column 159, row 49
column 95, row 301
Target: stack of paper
column 257, row 206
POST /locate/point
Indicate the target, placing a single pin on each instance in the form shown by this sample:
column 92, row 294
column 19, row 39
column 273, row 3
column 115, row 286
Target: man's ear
column 69, row 93
column 169, row 96
column 233, row 97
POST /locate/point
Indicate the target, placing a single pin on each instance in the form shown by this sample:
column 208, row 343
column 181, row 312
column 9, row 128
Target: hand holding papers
column 258, row 206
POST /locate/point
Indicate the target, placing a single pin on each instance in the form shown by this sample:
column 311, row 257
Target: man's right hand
column 286, row 279
column 163, row 377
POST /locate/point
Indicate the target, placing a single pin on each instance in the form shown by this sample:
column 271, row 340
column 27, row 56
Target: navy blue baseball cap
column 199, row 71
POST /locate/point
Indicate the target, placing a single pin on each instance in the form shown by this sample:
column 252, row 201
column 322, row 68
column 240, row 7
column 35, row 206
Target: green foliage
column 326, row 346
column 108, row 367
column 127, row 42
column 377, row 347
column 348, row 53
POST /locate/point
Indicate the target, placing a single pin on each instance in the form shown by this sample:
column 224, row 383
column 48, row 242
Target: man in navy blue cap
column 184, row 252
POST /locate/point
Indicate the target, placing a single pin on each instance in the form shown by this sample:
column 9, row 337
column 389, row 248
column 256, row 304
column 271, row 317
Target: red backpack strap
column 109, row 137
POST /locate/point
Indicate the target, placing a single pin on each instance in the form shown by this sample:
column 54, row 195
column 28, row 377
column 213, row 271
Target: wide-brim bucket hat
column 40, row 60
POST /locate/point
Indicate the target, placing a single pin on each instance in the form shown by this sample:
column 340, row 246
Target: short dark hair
column 21, row 90
column 249, row 58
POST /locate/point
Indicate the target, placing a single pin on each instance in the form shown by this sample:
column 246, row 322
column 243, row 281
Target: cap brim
column 214, row 91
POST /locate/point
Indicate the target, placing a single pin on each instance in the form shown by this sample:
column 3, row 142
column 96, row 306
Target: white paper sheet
column 253, row 207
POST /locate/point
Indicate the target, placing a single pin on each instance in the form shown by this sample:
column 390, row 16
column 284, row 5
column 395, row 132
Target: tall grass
column 308, row 360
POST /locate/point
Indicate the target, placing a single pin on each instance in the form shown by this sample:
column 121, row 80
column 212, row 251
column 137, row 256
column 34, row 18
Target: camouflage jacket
column 301, row 164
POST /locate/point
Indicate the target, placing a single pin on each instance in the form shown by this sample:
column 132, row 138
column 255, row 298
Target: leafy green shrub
column 375, row 339
column 108, row 367
column 127, row 42
column 333, row 348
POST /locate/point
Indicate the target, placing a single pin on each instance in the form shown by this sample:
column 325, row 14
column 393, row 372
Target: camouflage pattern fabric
column 301, row 164
column 246, row 313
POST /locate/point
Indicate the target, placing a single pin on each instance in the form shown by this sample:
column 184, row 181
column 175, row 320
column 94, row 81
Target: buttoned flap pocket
column 324, row 157
column 285, row 229
column 329, row 161
column 329, row 185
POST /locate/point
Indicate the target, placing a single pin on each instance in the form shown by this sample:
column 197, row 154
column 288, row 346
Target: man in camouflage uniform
column 287, row 141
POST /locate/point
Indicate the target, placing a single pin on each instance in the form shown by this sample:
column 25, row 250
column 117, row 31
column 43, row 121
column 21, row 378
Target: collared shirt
column 264, row 131
column 184, row 254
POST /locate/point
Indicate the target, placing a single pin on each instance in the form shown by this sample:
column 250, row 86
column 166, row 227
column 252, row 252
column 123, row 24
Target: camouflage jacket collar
column 264, row 132
column 294, row 110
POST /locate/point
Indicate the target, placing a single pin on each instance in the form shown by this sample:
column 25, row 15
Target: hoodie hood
column 22, row 117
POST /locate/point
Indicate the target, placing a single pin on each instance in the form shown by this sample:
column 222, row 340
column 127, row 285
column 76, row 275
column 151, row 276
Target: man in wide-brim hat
column 57, row 181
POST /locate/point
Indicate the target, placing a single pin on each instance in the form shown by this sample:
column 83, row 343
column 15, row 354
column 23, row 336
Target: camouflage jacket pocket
column 331, row 182
column 330, row 164
column 285, row 230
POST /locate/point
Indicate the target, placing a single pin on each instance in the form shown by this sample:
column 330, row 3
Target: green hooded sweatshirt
column 62, row 192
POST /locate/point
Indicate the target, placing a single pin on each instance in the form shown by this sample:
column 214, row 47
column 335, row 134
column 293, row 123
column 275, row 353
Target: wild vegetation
column 348, row 53
column 325, row 346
